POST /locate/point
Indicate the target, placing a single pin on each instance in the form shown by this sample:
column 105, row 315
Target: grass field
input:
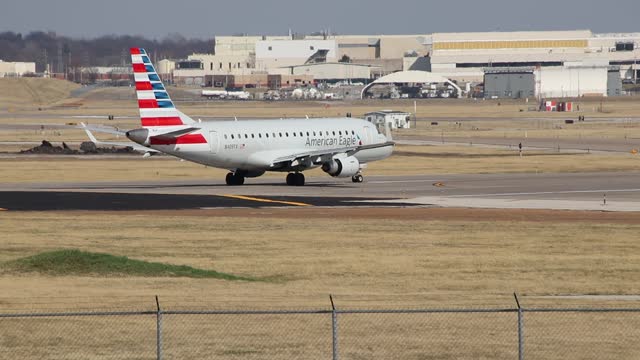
column 29, row 93
column 397, row 258
column 466, row 262
column 407, row 160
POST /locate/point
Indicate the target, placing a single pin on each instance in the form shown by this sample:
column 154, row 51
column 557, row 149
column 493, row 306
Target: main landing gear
column 295, row 179
column 234, row 179
column 357, row 178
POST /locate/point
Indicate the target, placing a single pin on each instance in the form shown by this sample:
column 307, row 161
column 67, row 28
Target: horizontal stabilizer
column 174, row 134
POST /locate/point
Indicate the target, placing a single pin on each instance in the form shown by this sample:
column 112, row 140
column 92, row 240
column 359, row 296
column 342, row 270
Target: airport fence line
column 509, row 333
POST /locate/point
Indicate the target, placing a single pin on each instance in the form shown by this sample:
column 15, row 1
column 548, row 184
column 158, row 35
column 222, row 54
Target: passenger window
column 260, row 136
column 280, row 134
column 287, row 134
column 301, row 134
column 314, row 133
column 252, row 136
column 353, row 132
column 294, row 134
column 225, row 136
column 246, row 136
column 232, row 136
column 339, row 132
column 274, row 134
column 334, row 133
column 267, row 134
column 307, row 133
column 239, row 136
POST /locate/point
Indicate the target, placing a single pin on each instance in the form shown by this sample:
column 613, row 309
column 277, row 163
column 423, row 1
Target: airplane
column 146, row 150
column 341, row 147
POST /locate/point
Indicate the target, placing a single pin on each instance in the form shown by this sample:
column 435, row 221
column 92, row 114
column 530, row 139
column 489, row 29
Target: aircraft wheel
column 357, row 178
column 234, row 179
column 229, row 179
column 291, row 179
column 299, row 179
column 238, row 179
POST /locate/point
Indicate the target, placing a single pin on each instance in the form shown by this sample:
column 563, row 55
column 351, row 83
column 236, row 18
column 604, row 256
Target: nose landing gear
column 357, row 178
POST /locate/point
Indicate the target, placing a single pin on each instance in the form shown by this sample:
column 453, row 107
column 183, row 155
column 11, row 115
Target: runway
column 110, row 201
column 578, row 191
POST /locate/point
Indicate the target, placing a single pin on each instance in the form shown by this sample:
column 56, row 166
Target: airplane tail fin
column 154, row 103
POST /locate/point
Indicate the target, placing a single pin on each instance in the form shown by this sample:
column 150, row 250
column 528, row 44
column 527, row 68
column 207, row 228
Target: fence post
column 520, row 328
column 158, row 330
column 334, row 328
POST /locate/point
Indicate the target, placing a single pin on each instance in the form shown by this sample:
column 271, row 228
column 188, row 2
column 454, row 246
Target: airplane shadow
column 208, row 185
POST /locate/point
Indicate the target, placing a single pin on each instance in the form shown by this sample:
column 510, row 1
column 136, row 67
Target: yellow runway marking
column 250, row 198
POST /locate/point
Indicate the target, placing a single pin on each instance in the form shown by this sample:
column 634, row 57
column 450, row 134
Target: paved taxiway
column 585, row 145
column 578, row 191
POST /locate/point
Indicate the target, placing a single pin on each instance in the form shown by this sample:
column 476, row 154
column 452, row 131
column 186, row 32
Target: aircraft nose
column 138, row 135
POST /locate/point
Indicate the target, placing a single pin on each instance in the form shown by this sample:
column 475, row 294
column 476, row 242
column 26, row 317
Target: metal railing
column 502, row 333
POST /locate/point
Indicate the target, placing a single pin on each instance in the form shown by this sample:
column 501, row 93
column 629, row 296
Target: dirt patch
column 87, row 147
column 410, row 214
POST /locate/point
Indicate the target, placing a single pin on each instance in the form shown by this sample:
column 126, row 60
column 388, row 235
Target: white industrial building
column 271, row 54
column 573, row 63
column 16, row 69
column 464, row 56
column 574, row 81
column 395, row 119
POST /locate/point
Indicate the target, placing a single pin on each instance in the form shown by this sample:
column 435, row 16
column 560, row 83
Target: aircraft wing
column 102, row 129
column 130, row 144
column 318, row 156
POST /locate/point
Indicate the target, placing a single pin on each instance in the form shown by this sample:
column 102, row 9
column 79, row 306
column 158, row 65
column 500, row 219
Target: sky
column 207, row 18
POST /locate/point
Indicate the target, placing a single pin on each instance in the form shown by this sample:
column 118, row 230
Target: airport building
column 395, row 119
column 514, row 64
column 547, row 64
column 16, row 69
column 347, row 57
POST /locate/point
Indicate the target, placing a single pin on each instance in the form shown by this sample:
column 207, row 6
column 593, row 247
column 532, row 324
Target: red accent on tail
column 184, row 139
column 143, row 85
column 161, row 121
column 148, row 104
column 139, row 68
column 135, row 51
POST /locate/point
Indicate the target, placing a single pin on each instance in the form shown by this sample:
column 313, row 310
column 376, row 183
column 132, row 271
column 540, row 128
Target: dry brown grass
column 436, row 264
column 477, row 259
column 33, row 92
column 407, row 160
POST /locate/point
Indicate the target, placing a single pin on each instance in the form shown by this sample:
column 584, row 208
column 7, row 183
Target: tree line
column 64, row 53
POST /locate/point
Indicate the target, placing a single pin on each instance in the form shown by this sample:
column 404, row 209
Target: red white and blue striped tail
column 156, row 107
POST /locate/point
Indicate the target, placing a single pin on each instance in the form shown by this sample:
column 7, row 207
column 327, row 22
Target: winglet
column 89, row 134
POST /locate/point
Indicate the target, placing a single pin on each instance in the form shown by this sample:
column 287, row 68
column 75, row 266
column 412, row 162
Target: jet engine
column 345, row 167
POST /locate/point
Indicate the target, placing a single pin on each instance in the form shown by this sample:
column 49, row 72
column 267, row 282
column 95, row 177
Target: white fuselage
column 254, row 144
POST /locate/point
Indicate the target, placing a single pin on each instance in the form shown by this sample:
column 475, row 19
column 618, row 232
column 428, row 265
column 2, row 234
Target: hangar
column 587, row 79
column 410, row 77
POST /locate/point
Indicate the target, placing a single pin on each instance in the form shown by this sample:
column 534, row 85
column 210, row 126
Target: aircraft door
column 367, row 135
column 213, row 142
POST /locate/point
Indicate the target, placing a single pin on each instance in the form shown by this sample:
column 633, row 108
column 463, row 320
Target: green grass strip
column 82, row 263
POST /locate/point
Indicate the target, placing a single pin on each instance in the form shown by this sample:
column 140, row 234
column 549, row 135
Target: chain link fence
column 517, row 333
